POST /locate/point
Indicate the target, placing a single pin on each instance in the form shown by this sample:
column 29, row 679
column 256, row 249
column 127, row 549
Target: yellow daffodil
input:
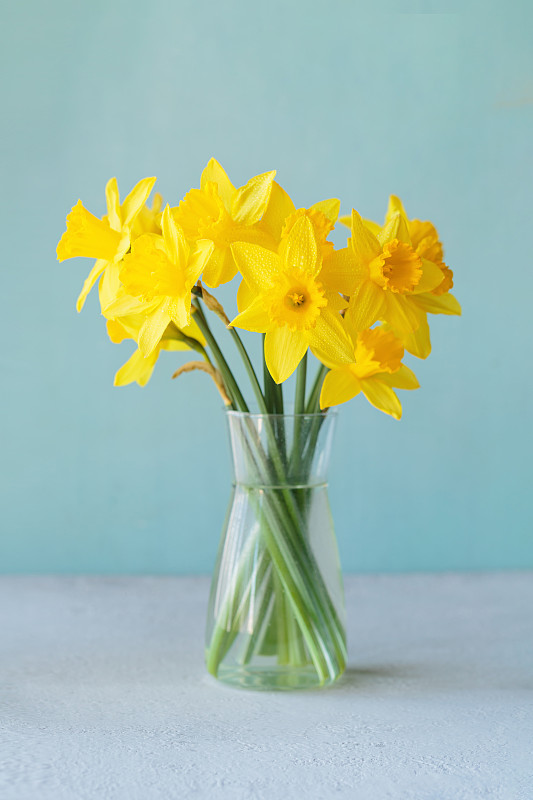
column 148, row 220
column 426, row 243
column 281, row 214
column 106, row 239
column 382, row 273
column 220, row 212
column 290, row 304
column 375, row 369
column 160, row 271
column 278, row 220
column 137, row 368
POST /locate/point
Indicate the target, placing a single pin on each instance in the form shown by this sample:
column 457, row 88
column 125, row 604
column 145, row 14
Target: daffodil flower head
column 223, row 214
column 397, row 268
column 203, row 215
column 425, row 241
column 160, row 272
column 106, row 239
column 428, row 297
column 427, row 244
column 87, row 236
column 288, row 302
column 382, row 274
column 375, row 369
column 295, row 300
column 322, row 227
column 281, row 214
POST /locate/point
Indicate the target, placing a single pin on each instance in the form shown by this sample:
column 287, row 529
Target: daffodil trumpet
column 336, row 322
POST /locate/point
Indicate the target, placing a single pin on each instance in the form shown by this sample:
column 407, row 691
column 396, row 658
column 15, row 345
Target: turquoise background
column 433, row 103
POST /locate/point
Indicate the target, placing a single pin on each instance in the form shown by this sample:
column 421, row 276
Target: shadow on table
column 417, row 678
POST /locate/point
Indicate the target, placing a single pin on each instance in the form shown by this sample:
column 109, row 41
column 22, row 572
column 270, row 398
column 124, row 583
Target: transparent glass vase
column 276, row 609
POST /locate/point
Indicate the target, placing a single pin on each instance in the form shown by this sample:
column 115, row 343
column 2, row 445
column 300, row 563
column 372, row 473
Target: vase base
column 272, row 679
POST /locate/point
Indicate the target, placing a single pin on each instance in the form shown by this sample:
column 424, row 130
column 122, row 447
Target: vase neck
column 272, row 450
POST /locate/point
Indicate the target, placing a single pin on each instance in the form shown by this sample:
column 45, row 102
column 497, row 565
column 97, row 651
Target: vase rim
column 330, row 412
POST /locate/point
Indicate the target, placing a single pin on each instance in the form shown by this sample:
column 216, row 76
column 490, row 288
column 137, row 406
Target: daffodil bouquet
column 274, row 619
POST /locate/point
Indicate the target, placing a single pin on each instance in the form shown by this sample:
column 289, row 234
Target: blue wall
column 434, row 104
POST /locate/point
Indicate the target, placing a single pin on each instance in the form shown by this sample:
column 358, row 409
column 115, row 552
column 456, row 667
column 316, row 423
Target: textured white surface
column 105, row 696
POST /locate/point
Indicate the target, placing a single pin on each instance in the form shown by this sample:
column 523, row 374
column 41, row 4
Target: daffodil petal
column 381, row 397
column 116, row 331
column 395, row 206
column 136, row 369
column 174, row 238
column 135, row 200
column 438, row 304
column 330, row 208
column 250, row 201
column 179, row 310
column 252, row 235
column 418, row 343
column 395, row 228
column 342, row 272
column 125, row 305
column 340, row 385
column 113, row 204
column 329, row 341
column 401, row 313
column 257, row 265
column 110, row 287
column 220, row 267
column 199, row 255
column 214, row 173
column 335, row 301
column 245, row 296
column 403, row 378
column 432, row 276
column 366, row 306
column 93, row 276
column 363, row 243
column 372, row 226
column 124, row 244
column 253, row 318
column 280, row 206
column 153, row 329
column 284, row 349
column 298, row 250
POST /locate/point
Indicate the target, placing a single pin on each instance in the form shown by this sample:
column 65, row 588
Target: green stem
column 268, row 385
column 299, row 409
column 227, row 623
column 256, row 386
column 313, row 404
column 273, row 445
column 232, row 387
column 274, row 401
column 299, row 397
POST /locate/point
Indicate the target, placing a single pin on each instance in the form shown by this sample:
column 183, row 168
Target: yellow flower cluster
column 357, row 309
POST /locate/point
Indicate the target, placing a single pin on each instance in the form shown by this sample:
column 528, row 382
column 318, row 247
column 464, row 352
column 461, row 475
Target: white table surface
column 105, row 696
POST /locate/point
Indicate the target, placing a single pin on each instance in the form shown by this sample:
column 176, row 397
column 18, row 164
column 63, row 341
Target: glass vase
column 276, row 608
